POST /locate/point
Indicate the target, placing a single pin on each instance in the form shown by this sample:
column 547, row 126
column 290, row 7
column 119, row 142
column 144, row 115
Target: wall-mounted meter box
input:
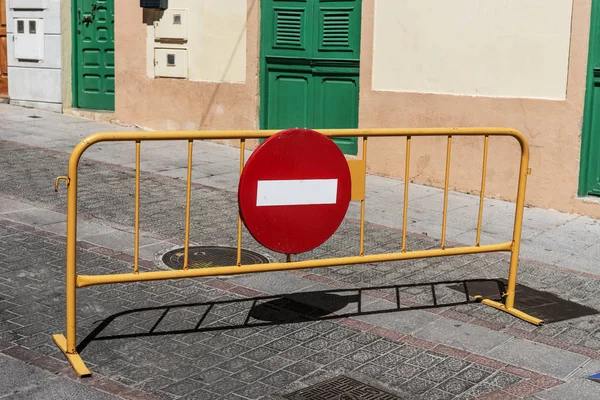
column 160, row 4
column 170, row 63
column 29, row 38
column 28, row 4
column 172, row 25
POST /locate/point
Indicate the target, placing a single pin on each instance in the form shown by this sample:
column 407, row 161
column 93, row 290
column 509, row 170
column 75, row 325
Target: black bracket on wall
column 160, row 4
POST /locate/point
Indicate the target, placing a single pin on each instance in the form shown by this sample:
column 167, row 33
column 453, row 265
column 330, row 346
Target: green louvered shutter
column 338, row 33
column 290, row 33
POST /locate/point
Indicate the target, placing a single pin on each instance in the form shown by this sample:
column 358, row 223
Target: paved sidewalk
column 271, row 334
column 564, row 240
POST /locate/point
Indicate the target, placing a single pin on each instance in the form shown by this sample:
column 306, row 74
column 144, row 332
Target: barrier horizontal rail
column 358, row 173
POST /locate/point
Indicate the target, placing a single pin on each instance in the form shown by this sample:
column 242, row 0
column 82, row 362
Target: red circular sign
column 294, row 191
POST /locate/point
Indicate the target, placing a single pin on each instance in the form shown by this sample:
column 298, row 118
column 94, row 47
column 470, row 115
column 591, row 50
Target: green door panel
column 289, row 99
column 593, row 174
column 589, row 174
column 95, row 47
column 336, row 106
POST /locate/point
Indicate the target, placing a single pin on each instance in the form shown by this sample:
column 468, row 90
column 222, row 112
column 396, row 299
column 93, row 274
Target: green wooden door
column 310, row 65
column 94, row 61
column 589, row 175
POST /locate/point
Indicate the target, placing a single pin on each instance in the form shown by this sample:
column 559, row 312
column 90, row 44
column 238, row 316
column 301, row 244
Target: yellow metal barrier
column 358, row 171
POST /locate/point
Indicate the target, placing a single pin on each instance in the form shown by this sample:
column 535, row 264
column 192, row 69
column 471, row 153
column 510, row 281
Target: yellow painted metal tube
column 88, row 280
column 259, row 134
column 406, row 184
column 71, row 316
column 136, row 244
column 188, row 200
column 446, row 182
column 73, row 358
column 362, row 205
column 510, row 310
column 482, row 192
column 239, row 232
column 518, row 226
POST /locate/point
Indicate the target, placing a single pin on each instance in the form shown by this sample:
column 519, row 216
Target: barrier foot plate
column 73, row 358
column 512, row 311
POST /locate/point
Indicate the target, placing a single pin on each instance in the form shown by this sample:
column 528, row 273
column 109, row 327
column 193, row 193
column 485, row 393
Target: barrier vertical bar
column 136, row 255
column 239, row 232
column 445, row 212
column 72, row 261
column 188, row 205
column 68, row 345
column 406, row 183
column 482, row 193
column 514, row 255
column 362, row 204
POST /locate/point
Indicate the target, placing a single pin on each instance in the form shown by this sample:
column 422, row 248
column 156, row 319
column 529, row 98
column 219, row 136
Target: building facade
column 251, row 64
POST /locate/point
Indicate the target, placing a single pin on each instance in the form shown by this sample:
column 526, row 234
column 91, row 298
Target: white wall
column 497, row 48
column 216, row 42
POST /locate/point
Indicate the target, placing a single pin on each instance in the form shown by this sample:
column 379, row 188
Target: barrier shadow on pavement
column 261, row 311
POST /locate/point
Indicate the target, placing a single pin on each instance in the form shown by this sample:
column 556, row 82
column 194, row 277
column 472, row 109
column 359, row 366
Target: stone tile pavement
column 267, row 335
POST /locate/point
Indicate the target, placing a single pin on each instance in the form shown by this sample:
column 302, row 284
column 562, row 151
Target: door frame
column 74, row 56
column 5, row 53
column 587, row 134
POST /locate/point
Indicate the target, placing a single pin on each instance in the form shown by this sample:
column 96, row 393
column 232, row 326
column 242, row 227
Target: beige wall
column 216, row 43
column 509, row 48
column 177, row 104
column 553, row 129
column 67, row 50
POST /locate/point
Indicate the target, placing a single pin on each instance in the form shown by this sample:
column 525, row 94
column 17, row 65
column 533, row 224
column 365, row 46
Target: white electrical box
column 172, row 25
column 171, row 63
column 29, row 38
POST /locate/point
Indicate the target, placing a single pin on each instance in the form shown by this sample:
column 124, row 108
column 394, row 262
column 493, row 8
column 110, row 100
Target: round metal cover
column 211, row 256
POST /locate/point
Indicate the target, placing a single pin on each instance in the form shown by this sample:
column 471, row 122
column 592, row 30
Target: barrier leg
column 509, row 297
column 68, row 345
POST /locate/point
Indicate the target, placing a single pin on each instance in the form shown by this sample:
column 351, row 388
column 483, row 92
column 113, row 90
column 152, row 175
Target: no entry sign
column 294, row 191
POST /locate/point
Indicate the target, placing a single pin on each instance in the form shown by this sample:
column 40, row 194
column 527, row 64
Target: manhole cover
column 341, row 388
column 211, row 256
column 34, row 116
column 544, row 305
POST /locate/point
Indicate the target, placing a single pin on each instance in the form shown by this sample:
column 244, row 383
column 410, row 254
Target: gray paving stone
column 280, row 379
column 34, row 217
column 417, row 386
column 16, row 376
column 119, row 240
column 274, row 363
column 84, row 229
column 538, row 357
column 463, row 336
column 225, row 386
column 273, row 282
column 583, row 389
column 8, row 206
column 61, row 389
column 406, row 322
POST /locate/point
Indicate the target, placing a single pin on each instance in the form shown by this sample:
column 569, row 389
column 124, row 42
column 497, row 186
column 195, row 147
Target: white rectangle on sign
column 296, row 192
